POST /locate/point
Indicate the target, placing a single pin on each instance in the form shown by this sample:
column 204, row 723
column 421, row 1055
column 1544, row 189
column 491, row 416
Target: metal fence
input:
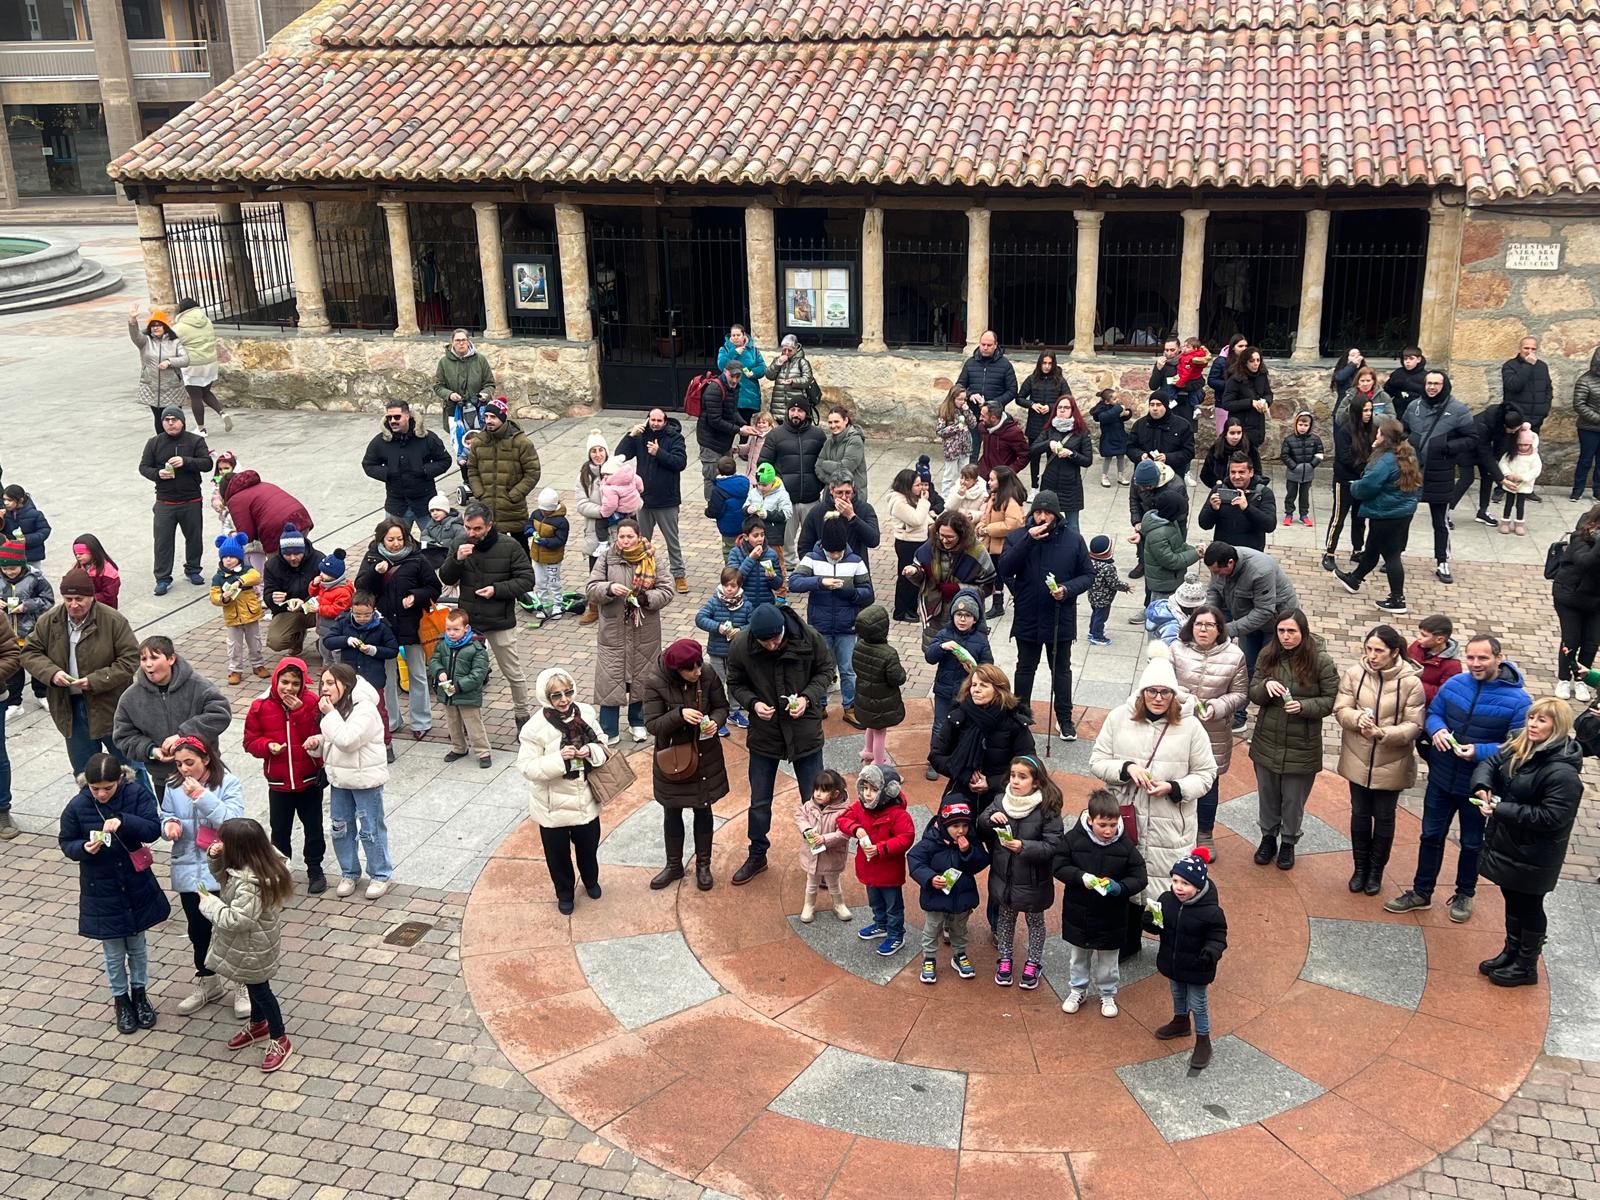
column 447, row 273
column 238, row 271
column 1372, row 296
column 1252, row 289
column 1138, row 293
column 839, row 248
column 537, row 322
column 1033, row 292
column 924, row 292
column 357, row 284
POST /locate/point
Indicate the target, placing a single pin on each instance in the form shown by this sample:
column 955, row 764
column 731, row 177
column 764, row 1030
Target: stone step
column 90, row 280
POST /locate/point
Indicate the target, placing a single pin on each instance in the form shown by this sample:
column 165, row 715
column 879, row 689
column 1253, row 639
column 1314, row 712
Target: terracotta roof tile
column 1394, row 105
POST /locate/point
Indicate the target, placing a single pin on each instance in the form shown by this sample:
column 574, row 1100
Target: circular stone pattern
column 713, row 1034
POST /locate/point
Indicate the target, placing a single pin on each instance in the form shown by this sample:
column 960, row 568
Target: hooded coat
column 717, row 427
column 1025, row 563
column 1526, row 839
column 1405, row 387
column 844, row 454
column 793, row 451
column 28, row 524
column 558, row 795
column 189, row 706
column 246, row 933
column 108, row 656
column 934, row 853
column 755, row 367
column 466, row 666
column 1194, row 935
column 716, row 612
column 1063, row 473
column 1389, row 763
column 1004, row 445
column 406, row 461
column 500, row 561
column 803, row 665
column 628, row 636
column 198, row 335
column 950, row 673
column 503, row 471
column 547, row 531
column 1022, row 879
column 824, row 821
column 352, row 748
column 726, row 503
column 1586, row 395
column 862, row 532
column 659, row 472
column 879, row 672
column 1167, row 557
column 1218, row 677
column 1088, row 919
column 372, row 667
column 1484, row 714
column 1171, row 436
column 1434, row 669
column 34, row 597
column 892, row 833
column 114, row 900
column 1142, row 499
column 1288, row 743
column 1577, row 582
column 1010, row 738
column 1113, row 418
column 468, row 375
column 214, row 805
column 790, row 382
column 666, row 695
column 261, row 510
column 1301, row 452
column 292, row 768
column 1442, row 432
column 412, row 576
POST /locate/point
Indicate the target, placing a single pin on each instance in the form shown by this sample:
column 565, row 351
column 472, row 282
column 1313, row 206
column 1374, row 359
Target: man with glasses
column 406, row 459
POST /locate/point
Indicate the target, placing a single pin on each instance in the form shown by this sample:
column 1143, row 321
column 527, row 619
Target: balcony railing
column 57, row 62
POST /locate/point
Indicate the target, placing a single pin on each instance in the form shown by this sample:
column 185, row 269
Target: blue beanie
column 291, row 540
column 232, row 546
column 333, row 565
column 766, row 622
column 1193, row 868
column 1147, row 474
column 1099, row 546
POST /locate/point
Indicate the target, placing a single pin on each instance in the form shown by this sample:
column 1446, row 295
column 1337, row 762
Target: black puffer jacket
column 1011, row 738
column 793, row 454
column 1527, row 387
column 406, row 462
column 1442, row 433
column 660, row 471
column 1089, row 919
column 879, row 673
column 1041, row 389
column 719, row 421
column 1405, row 387
column 1193, row 936
column 1525, row 842
column 1021, row 879
column 802, row 666
column 666, row 694
column 1238, row 400
column 1171, row 436
column 114, row 900
column 1586, row 395
column 293, row 582
column 498, row 560
column 411, row 576
column 1577, row 582
column 1063, row 474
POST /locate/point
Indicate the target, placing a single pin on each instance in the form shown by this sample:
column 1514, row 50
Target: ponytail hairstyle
column 1392, row 437
column 1051, row 801
column 832, row 783
column 245, row 845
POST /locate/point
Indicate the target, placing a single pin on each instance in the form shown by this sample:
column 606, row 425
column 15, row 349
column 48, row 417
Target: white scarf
column 1016, row 807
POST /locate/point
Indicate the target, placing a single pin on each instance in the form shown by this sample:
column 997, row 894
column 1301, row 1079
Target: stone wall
column 1496, row 308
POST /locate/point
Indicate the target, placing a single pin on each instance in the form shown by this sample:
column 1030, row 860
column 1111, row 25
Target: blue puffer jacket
column 29, row 523
column 1113, row 418
column 758, row 585
column 190, row 872
column 726, row 506
column 1379, row 492
column 951, row 674
column 1484, row 714
column 832, row 610
column 934, row 854
column 717, row 610
column 114, row 900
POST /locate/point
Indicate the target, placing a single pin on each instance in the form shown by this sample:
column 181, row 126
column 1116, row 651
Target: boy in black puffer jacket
column 1194, row 933
column 1100, row 869
column 879, row 677
column 1301, row 452
column 947, row 844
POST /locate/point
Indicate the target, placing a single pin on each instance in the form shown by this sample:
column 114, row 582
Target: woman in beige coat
column 630, row 595
column 1210, row 667
column 1380, row 708
column 556, row 750
column 1002, row 514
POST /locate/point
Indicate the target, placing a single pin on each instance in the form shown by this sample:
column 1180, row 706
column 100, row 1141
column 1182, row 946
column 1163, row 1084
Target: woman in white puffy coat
column 557, row 747
column 1210, row 668
column 1160, row 758
column 351, row 747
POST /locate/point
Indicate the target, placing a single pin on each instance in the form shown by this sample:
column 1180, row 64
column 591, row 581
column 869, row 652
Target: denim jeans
column 1070, row 520
column 409, row 515
column 1191, row 998
column 608, row 717
column 80, row 746
column 1252, row 645
column 888, row 906
column 127, row 963
column 1097, row 621
column 1439, row 808
column 843, row 646
column 264, row 1007
column 421, row 693
column 1206, row 810
column 356, row 815
column 1588, row 457
column 763, row 774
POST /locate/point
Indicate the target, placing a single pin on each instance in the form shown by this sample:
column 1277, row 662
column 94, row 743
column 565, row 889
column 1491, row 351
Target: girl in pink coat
column 621, row 490
column 818, row 819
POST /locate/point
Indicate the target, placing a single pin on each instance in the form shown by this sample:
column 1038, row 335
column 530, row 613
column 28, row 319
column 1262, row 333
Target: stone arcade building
column 598, row 189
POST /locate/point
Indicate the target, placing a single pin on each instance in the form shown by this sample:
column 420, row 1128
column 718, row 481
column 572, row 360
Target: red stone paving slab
column 1350, row 1148
column 1517, row 1014
column 724, row 1039
column 533, row 1034
column 1250, row 1164
column 1460, row 948
column 1326, row 1035
column 600, row 1083
column 1240, row 777
column 1148, row 1172
column 499, row 981
column 1436, row 1111
column 523, row 842
column 628, row 907
column 779, row 1158
column 1493, row 1062
column 688, row 1123
column 491, row 928
column 1322, row 881
column 1088, row 1042
column 872, row 1164
column 856, row 1015
column 1091, row 1110
column 773, row 977
column 1149, row 1002
column 1008, row 1176
column 514, row 881
column 955, row 1037
column 729, row 918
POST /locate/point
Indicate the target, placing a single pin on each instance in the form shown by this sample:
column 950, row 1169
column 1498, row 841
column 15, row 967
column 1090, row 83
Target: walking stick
column 1055, row 649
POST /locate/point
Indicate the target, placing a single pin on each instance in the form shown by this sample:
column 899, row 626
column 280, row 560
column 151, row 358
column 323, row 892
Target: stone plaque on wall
column 1533, row 256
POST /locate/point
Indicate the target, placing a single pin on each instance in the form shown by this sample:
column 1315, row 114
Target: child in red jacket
column 1435, row 653
column 275, row 731
column 884, row 832
column 331, row 592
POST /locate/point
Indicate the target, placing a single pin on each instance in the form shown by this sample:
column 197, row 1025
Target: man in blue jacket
column 1471, row 716
column 1047, row 568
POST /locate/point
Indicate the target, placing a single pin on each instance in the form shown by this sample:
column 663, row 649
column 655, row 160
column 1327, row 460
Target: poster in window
column 530, row 285
column 818, row 296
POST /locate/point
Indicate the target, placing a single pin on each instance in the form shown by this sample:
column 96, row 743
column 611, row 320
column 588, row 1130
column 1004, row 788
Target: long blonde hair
column 1520, row 749
column 950, row 406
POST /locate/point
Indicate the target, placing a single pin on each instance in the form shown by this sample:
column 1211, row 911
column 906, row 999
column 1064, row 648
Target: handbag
column 1554, row 555
column 1130, row 815
column 204, row 837
column 681, row 762
column 139, row 859
column 610, row 779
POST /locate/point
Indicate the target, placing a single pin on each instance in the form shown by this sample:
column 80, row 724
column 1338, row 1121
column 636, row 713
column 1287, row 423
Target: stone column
column 872, row 280
column 1193, row 271
column 153, row 245
column 8, row 176
column 405, row 284
column 574, row 246
column 1439, row 280
column 1088, row 298
column 761, row 267
column 1307, row 341
column 978, row 276
column 491, row 263
column 114, row 66
column 306, row 263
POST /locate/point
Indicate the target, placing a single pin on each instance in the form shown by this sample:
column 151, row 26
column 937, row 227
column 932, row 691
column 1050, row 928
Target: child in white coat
column 1520, row 471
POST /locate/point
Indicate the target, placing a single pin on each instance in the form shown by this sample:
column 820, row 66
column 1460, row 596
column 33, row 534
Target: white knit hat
column 1158, row 672
column 549, row 499
column 439, row 502
column 596, row 438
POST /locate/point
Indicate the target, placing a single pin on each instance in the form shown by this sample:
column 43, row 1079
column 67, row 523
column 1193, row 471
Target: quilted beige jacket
column 1389, row 763
column 1218, row 677
column 246, row 938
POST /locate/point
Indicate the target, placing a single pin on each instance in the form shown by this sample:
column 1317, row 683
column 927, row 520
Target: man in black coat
column 793, row 448
column 1525, row 385
column 720, row 421
column 1242, row 511
column 860, row 518
column 493, row 569
column 406, row 459
column 1163, row 435
column 775, row 658
column 988, row 376
column 175, row 461
column 658, row 453
column 1047, row 567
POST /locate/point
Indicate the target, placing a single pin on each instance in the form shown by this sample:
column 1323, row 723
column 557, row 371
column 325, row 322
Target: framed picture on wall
column 817, row 296
column 529, row 281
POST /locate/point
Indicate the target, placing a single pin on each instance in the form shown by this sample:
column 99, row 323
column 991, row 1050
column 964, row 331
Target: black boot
column 126, row 1021
column 997, row 608
column 702, row 858
column 1508, row 952
column 142, row 1012
column 1379, row 860
column 1522, row 971
column 673, row 871
column 1266, row 850
column 1201, row 1058
column 1286, row 856
column 752, row 866
column 316, row 881
column 1360, row 851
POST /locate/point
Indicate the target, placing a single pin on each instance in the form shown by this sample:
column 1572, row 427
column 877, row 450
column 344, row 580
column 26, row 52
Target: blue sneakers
column 740, row 720
column 892, row 944
column 873, row 930
column 163, row 586
column 963, row 966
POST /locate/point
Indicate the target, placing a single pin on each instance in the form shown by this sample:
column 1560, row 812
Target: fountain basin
column 42, row 271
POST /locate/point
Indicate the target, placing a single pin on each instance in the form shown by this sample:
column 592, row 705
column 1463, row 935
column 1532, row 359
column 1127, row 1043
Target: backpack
column 691, row 395
column 1554, row 555
column 813, row 392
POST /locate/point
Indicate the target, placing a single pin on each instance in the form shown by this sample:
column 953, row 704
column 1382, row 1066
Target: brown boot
column 673, row 871
column 591, row 614
column 1201, row 1058
column 702, row 872
column 1176, row 1028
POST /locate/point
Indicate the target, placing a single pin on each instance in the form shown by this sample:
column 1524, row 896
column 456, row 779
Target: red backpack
column 697, row 385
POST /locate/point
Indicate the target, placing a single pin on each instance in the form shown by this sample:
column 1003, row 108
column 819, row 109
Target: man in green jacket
column 503, row 467
column 463, row 379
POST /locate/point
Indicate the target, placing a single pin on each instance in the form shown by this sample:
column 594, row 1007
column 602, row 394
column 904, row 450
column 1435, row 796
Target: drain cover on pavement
column 407, row 933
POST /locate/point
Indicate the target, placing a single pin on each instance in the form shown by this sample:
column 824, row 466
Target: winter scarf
column 643, row 560
column 980, row 725
column 395, row 556
column 1017, row 807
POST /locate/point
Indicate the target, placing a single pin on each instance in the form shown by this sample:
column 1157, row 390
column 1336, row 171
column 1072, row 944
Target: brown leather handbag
column 681, row 762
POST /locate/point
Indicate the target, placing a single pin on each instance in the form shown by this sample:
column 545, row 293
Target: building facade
column 600, row 194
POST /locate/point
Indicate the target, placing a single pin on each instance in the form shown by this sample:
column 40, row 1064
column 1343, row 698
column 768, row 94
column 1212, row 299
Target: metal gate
column 667, row 285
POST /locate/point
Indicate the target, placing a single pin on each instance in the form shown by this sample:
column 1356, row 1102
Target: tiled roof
column 373, row 23
column 1405, row 104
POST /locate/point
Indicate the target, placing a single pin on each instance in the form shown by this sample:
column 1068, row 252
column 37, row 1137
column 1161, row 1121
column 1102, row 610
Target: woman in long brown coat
column 684, row 706
column 1380, row 709
column 630, row 595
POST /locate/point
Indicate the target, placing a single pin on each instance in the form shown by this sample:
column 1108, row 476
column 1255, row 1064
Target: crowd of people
column 437, row 600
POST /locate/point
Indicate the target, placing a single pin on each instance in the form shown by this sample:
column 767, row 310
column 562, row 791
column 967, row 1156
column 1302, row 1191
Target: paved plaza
column 681, row 1043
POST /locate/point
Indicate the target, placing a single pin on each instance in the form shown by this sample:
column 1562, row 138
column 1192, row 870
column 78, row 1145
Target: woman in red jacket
column 261, row 510
column 276, row 731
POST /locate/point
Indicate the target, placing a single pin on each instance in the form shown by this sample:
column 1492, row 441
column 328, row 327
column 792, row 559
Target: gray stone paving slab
column 1242, row 1085
column 1316, row 835
column 1386, row 963
column 438, row 800
column 1572, row 962
column 1129, row 971
column 646, row 977
column 873, row 1098
column 841, row 754
column 837, row 942
column 1070, row 757
column 637, row 841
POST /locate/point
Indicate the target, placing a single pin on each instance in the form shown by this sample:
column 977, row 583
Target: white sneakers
column 347, row 887
column 377, row 888
column 206, row 989
column 1073, row 1002
column 1563, row 689
column 1582, row 692
column 241, row 1002
column 1108, row 1006
column 639, row 732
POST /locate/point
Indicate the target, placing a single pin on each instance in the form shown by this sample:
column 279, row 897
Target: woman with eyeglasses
column 557, row 748
column 1294, row 689
column 1210, row 668
column 685, row 704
